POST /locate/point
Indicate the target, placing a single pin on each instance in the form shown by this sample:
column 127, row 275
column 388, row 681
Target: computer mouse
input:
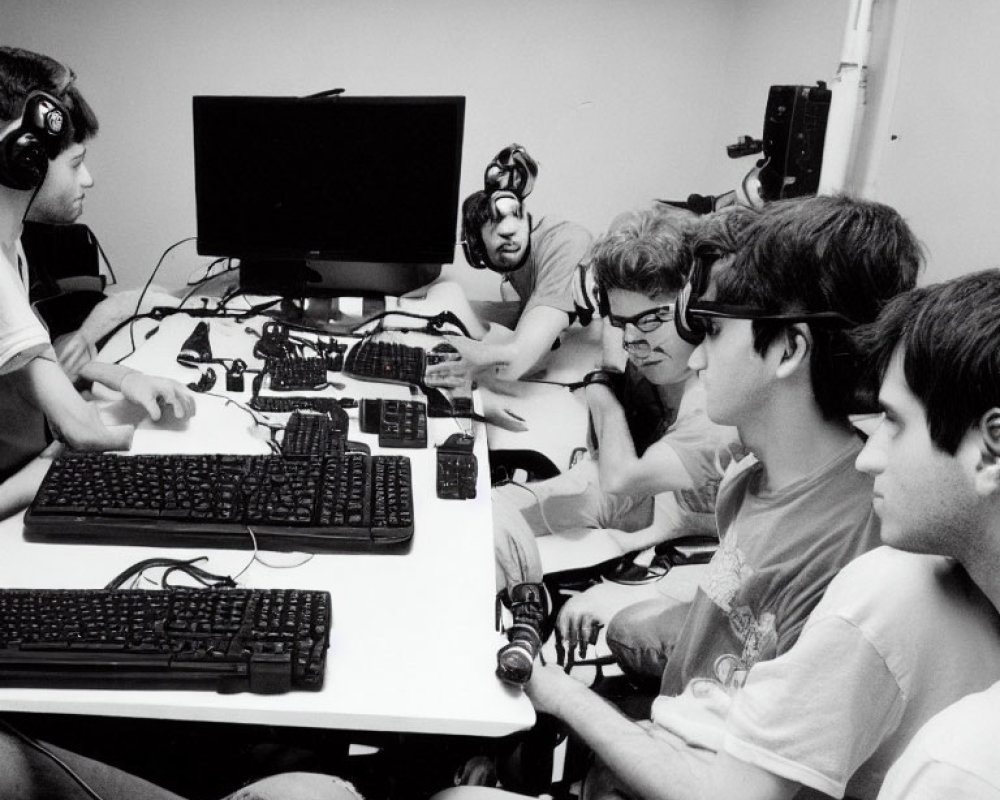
column 459, row 441
column 444, row 347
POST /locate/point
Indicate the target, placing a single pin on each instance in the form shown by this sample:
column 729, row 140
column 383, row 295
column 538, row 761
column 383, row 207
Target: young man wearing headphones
column 43, row 116
column 538, row 259
column 655, row 457
column 43, row 122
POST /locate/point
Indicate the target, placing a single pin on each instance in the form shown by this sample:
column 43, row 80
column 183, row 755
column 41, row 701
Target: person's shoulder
column 556, row 228
column 890, row 583
column 886, row 560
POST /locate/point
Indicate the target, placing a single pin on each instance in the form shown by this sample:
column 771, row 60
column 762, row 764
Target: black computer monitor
column 326, row 197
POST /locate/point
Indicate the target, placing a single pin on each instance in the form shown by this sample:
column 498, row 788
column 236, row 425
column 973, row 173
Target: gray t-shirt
column 546, row 278
column 778, row 552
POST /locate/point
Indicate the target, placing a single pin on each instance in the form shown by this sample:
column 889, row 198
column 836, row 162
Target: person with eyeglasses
column 654, row 458
column 784, row 371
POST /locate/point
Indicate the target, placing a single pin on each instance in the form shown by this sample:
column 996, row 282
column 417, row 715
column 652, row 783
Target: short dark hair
column 949, row 337
column 476, row 211
column 23, row 72
column 721, row 232
column 825, row 253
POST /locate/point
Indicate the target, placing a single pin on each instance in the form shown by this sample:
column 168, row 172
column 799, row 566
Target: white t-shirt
column 22, row 335
column 956, row 754
column 896, row 638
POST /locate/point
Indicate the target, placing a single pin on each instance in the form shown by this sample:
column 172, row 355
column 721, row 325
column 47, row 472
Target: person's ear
column 988, row 440
column 795, row 342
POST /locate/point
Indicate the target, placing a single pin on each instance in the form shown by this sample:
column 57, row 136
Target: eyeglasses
column 692, row 313
column 646, row 321
column 702, row 310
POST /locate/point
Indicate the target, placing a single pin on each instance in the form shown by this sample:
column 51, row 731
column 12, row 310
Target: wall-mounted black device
column 794, row 134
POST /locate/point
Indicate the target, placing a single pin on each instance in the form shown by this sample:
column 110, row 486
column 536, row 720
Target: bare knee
column 298, row 786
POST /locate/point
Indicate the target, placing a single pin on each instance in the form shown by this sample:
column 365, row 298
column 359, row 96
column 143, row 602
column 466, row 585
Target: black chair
column 66, row 280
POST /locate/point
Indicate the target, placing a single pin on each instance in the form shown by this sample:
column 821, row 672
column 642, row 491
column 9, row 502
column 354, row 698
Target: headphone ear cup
column 28, row 144
column 473, row 250
column 23, row 162
column 603, row 304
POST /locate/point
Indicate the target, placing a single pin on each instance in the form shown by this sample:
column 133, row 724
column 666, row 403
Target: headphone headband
column 513, row 170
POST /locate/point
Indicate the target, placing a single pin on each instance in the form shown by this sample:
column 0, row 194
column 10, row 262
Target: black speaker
column 794, row 133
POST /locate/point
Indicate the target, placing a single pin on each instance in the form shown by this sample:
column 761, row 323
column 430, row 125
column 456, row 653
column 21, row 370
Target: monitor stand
column 332, row 315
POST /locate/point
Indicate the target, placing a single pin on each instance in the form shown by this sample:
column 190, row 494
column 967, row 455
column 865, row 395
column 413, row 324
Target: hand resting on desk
column 154, row 394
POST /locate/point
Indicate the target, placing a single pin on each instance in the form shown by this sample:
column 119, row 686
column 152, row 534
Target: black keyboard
column 456, row 475
column 391, row 362
column 285, row 404
column 457, row 468
column 402, row 423
column 297, row 374
column 341, row 503
column 229, row 640
column 398, row 423
column 312, row 434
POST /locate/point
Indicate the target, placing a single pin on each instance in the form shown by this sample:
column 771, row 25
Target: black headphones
column 513, row 170
column 473, row 247
column 32, row 140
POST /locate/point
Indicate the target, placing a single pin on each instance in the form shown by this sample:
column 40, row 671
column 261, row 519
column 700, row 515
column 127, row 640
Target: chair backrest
column 66, row 280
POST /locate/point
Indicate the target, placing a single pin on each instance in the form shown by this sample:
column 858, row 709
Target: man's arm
column 621, row 470
column 151, row 392
column 73, row 418
column 645, row 759
column 514, row 356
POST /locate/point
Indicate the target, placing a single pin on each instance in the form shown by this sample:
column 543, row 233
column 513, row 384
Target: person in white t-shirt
column 936, row 462
column 42, row 117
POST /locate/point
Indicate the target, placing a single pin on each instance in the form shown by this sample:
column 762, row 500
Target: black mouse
column 459, row 441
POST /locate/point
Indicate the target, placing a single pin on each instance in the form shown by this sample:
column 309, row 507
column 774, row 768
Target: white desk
column 412, row 646
column 556, row 418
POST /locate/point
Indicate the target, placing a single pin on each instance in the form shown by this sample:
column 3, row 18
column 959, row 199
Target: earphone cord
column 27, row 208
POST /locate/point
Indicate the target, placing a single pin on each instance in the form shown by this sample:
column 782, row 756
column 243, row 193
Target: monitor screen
column 333, row 184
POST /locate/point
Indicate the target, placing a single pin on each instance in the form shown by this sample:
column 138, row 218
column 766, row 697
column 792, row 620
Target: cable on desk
column 243, row 407
column 34, row 744
column 255, row 556
column 202, row 576
column 433, row 323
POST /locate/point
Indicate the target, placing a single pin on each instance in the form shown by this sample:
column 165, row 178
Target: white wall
column 621, row 102
column 930, row 140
